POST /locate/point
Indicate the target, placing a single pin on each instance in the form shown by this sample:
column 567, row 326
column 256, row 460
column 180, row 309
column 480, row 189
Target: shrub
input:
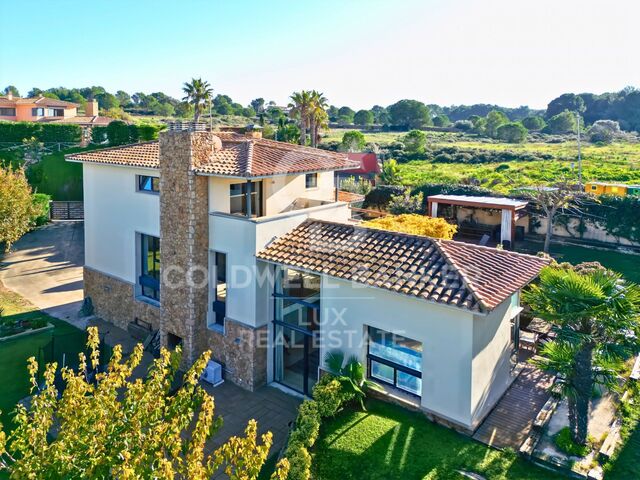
column 406, row 203
column 464, row 125
column 299, row 461
column 307, row 424
column 415, row 225
column 328, row 395
column 41, row 206
column 118, row 133
column 564, row 442
column 534, row 122
column 350, row 184
column 512, row 132
column 414, row 142
column 380, row 196
column 44, row 132
column 353, row 141
column 99, row 135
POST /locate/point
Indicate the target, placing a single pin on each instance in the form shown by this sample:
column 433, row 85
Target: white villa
column 236, row 244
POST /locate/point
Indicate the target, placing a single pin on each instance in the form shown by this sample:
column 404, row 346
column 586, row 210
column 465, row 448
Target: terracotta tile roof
column 84, row 120
column 240, row 156
column 137, row 155
column 43, row 101
column 452, row 273
column 349, row 197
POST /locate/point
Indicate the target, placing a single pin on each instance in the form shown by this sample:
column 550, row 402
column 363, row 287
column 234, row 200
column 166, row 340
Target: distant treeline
column 622, row 106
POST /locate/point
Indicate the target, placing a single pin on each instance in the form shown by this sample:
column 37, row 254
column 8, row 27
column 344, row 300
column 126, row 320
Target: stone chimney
column 253, row 131
column 184, row 237
column 9, row 95
column 91, row 109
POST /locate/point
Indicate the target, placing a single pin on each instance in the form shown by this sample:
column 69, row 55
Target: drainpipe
column 248, row 198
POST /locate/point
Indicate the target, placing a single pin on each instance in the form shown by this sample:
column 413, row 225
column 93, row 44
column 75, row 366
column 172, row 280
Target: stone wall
column 114, row 300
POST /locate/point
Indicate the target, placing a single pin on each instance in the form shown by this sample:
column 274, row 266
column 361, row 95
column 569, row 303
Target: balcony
column 238, row 233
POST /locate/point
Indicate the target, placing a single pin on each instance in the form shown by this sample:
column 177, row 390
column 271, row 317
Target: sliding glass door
column 296, row 322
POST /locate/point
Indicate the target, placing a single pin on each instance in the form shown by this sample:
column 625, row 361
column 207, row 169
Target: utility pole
column 579, row 151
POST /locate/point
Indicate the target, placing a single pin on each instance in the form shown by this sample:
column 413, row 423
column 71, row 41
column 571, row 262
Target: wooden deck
column 510, row 422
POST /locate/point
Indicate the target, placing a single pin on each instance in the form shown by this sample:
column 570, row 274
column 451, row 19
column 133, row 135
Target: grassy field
column 389, row 442
column 615, row 162
column 14, row 353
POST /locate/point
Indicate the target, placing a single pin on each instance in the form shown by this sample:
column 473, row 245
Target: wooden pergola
column 508, row 206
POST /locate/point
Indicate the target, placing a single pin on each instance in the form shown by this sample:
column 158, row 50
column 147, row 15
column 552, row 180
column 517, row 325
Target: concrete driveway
column 45, row 267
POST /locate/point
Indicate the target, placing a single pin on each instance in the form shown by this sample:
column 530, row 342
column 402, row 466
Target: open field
column 615, row 162
column 388, row 441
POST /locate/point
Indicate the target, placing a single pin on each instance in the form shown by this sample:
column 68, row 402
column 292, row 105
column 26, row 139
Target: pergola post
column 248, row 198
column 506, row 230
column 434, row 209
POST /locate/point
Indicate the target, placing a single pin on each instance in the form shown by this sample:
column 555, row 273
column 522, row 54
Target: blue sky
column 358, row 52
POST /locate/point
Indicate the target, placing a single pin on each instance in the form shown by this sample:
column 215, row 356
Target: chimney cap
column 178, row 126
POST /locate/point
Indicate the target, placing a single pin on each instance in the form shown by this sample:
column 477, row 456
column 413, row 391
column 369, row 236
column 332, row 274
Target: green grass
column 626, row 461
column 626, row 264
column 14, row 379
column 389, row 442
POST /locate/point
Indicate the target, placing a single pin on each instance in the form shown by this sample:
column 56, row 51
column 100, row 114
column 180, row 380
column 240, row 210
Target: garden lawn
column 14, row 379
column 389, row 442
column 624, row 263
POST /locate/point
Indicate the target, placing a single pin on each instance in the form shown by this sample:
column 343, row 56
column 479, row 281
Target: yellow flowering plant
column 414, row 224
column 107, row 424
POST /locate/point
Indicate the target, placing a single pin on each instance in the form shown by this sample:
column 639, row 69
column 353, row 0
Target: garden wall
column 572, row 227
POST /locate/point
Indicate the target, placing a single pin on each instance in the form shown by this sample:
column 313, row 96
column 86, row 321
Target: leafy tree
column 287, row 132
column 479, row 124
column 118, row 133
column 390, row 173
column 198, row 93
column 441, row 120
column 567, row 101
column 415, row 224
column 16, row 209
column 123, row 98
column 464, row 125
column 512, row 132
column 11, row 90
column 353, row 141
column 406, row 203
column 107, row 101
column 109, row 425
column 604, row 131
column 346, row 115
column 258, row 105
column 165, row 110
column 32, row 151
column 34, row 92
column 595, row 314
column 564, row 122
column 380, row 115
column 409, row 114
column 363, row 118
column 495, row 119
column 534, row 123
column 415, row 142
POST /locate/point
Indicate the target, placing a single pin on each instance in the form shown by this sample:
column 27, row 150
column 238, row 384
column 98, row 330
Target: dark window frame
column 311, row 180
column 148, row 184
column 6, row 112
column 38, row 112
column 150, row 281
column 218, row 306
column 395, row 366
column 239, row 191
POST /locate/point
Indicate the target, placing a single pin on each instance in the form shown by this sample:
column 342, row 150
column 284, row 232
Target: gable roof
column 444, row 271
column 42, row 101
column 240, row 156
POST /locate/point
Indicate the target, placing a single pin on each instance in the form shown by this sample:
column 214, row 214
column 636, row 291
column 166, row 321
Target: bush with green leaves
column 43, row 132
column 353, row 141
column 564, row 442
column 406, row 203
column 329, row 396
column 349, row 372
column 307, row 424
column 564, row 122
column 350, row 184
column 415, row 143
column 534, row 122
column 41, row 206
column 512, row 132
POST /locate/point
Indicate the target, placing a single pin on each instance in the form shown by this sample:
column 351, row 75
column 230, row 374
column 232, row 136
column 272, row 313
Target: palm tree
column 350, row 374
column 595, row 314
column 198, row 92
column 300, row 107
column 318, row 117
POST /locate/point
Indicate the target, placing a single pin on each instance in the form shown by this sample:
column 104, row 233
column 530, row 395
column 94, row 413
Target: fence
column 66, row 210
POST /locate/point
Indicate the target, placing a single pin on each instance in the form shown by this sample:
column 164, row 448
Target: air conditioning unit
column 212, row 373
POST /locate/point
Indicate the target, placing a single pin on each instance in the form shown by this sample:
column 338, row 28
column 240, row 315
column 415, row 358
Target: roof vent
column 187, row 127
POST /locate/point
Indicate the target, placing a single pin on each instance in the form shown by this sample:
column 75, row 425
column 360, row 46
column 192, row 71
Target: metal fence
column 66, row 210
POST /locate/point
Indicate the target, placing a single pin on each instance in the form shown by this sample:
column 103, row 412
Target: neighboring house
column 235, row 244
column 43, row 109
column 367, row 171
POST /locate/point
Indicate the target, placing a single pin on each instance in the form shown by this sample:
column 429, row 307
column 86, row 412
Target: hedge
column 119, row 133
column 15, row 132
column 41, row 202
column 619, row 216
column 328, row 398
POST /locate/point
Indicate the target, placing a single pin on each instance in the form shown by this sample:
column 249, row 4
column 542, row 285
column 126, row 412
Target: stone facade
column 184, row 252
column 114, row 300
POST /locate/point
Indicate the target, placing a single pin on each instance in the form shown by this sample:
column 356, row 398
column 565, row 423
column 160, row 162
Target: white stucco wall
column 114, row 211
column 446, row 335
column 278, row 192
column 491, row 370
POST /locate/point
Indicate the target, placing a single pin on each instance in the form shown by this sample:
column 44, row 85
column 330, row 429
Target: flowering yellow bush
column 414, row 224
column 107, row 424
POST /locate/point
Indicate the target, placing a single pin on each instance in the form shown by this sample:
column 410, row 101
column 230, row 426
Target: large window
column 149, row 184
column 150, row 267
column 395, row 360
column 238, row 194
column 7, row 112
column 219, row 304
column 37, row 112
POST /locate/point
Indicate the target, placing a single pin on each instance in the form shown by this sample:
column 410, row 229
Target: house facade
column 237, row 244
column 43, row 109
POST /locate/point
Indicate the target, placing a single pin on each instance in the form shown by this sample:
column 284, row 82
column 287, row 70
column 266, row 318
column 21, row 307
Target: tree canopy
column 410, row 114
column 17, row 210
column 512, row 132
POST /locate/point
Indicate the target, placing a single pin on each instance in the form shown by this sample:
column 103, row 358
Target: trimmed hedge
column 44, row 132
column 41, row 202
